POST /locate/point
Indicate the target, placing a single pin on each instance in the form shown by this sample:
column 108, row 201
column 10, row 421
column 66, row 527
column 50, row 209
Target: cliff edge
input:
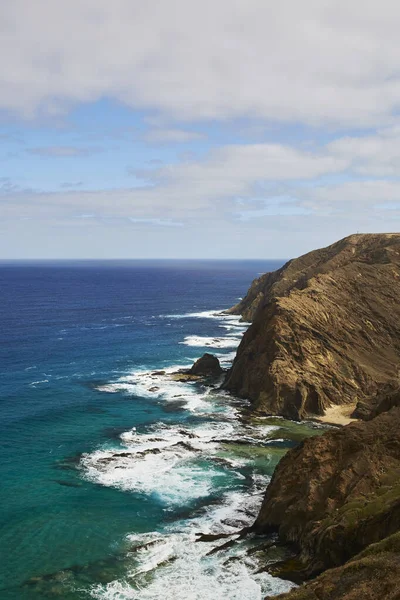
column 336, row 494
column 325, row 330
column 336, row 500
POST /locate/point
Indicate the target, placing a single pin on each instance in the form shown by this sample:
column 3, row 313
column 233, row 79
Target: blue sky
column 181, row 129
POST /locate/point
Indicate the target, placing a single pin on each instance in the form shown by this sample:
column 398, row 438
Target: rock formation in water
column 325, row 330
column 206, row 368
column 208, row 365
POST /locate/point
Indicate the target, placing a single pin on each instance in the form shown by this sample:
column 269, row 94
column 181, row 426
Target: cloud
column 236, row 194
column 157, row 222
column 376, row 154
column 71, row 184
column 273, row 206
column 192, row 189
column 240, row 170
column 8, row 187
column 62, row 151
column 333, row 62
column 11, row 137
column 352, row 197
column 179, row 136
column 200, row 188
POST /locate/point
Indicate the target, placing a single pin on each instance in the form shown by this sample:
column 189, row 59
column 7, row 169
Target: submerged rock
column 325, row 331
column 184, row 376
column 65, row 482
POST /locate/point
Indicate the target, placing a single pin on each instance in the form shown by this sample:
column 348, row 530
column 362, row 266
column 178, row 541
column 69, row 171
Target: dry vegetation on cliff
column 325, row 331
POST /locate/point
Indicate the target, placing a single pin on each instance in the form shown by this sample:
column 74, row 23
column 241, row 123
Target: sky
column 196, row 129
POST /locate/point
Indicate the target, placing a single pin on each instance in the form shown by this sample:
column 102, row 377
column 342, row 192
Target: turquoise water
column 107, row 470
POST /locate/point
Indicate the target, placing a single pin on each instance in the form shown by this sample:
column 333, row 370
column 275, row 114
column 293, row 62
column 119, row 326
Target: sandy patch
column 338, row 414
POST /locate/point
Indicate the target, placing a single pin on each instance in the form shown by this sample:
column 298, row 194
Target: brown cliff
column 335, row 494
column 372, row 575
column 325, row 331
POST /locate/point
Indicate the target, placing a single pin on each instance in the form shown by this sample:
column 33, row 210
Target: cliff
column 336, row 500
column 335, row 494
column 325, row 330
column 373, row 574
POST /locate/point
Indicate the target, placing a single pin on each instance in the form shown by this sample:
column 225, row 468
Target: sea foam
column 180, row 464
column 211, row 342
column 174, row 566
column 159, row 385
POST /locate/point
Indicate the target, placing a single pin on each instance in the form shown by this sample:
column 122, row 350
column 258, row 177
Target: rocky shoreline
column 324, row 344
column 323, row 348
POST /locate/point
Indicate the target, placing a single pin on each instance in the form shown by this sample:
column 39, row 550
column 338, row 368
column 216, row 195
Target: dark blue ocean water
column 72, row 333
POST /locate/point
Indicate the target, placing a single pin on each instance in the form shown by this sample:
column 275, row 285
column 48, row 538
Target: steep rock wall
column 326, row 329
column 337, row 493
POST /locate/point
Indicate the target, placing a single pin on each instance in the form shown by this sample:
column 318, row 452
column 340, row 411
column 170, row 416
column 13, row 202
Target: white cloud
column 234, row 170
column 62, row 151
column 157, row 222
column 157, row 136
column 331, row 62
column 352, row 197
column 371, row 155
column 237, row 194
column 192, row 189
column 71, row 184
column 251, row 181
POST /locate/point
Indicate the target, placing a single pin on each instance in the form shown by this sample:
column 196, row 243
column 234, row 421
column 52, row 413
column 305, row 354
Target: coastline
column 165, row 459
column 193, row 458
column 136, row 526
column 327, row 327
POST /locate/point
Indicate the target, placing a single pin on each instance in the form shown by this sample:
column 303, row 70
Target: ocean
column 110, row 469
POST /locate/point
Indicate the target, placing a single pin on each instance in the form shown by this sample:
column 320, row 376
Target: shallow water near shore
column 109, row 468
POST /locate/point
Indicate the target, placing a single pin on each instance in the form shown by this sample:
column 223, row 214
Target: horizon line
column 32, row 260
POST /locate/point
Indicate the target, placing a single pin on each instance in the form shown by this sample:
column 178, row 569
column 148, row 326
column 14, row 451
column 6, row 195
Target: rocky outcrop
column 372, row 575
column 208, row 366
column 258, row 293
column 325, row 331
column 336, row 494
column 206, row 369
column 388, row 398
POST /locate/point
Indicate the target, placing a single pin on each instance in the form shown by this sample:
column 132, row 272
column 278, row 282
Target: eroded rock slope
column 335, row 494
column 374, row 574
column 325, row 330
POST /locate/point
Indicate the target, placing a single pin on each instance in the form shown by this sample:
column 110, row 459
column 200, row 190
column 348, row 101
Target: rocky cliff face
column 385, row 400
column 336, row 494
column 372, row 575
column 336, row 500
column 325, row 331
